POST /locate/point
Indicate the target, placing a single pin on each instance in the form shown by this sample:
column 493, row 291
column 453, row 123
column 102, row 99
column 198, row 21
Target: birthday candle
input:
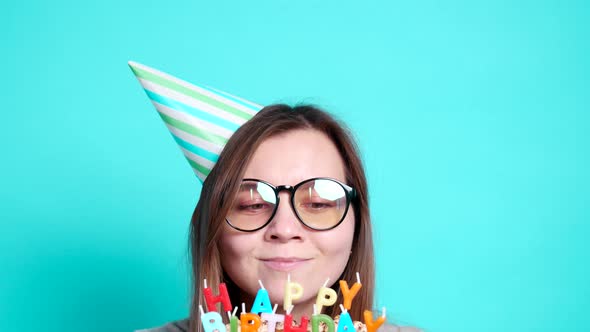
column 345, row 323
column 293, row 291
column 212, row 321
column 212, row 300
column 373, row 325
column 289, row 327
column 317, row 319
column 262, row 301
column 326, row 297
column 234, row 321
column 349, row 294
column 233, row 324
column 249, row 322
column 272, row 319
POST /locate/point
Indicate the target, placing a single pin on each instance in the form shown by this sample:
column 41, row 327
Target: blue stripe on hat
column 196, row 150
column 232, row 98
column 206, row 116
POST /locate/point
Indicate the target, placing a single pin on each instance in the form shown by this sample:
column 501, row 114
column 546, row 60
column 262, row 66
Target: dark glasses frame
column 350, row 194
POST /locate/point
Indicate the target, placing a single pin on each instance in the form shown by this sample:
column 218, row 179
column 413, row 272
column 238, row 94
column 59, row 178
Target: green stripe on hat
column 198, row 167
column 198, row 132
column 140, row 73
column 215, row 106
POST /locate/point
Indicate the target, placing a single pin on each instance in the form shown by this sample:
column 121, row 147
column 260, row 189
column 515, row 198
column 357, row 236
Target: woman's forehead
column 295, row 156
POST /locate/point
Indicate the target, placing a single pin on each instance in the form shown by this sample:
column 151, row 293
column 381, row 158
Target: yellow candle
column 326, row 297
column 293, row 291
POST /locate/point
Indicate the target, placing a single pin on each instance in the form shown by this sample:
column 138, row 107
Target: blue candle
column 262, row 301
column 345, row 323
column 212, row 322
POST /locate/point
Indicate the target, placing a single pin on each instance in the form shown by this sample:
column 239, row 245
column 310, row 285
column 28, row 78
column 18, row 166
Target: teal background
column 473, row 118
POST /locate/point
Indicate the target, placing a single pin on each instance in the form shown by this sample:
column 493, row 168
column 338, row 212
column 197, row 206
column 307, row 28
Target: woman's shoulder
column 176, row 326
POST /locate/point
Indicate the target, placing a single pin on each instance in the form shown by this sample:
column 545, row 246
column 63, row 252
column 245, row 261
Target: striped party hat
column 201, row 119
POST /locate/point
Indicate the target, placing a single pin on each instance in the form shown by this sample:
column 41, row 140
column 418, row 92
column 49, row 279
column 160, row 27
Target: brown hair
column 222, row 184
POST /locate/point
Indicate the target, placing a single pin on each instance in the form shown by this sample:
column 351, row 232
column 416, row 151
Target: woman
column 288, row 195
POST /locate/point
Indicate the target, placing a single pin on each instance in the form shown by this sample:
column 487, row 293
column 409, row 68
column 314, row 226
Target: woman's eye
column 318, row 205
column 253, row 207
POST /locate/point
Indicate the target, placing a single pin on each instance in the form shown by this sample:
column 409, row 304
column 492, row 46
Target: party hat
column 201, row 119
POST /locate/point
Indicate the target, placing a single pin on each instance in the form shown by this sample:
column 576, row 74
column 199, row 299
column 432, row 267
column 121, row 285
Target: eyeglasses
column 318, row 203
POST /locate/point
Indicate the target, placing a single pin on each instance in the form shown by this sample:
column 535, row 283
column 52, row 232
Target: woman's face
column 285, row 245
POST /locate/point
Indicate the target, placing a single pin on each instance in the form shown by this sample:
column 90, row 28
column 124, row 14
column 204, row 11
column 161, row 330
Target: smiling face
column 285, row 245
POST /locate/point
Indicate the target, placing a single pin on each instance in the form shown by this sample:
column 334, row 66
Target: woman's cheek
column 338, row 242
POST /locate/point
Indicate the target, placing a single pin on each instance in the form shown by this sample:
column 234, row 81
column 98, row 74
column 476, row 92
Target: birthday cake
column 262, row 316
column 323, row 327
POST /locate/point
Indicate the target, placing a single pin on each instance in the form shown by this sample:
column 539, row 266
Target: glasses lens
column 253, row 206
column 320, row 203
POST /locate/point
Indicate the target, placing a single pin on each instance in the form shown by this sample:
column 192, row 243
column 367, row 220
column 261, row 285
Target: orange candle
column 349, row 294
column 249, row 322
column 373, row 325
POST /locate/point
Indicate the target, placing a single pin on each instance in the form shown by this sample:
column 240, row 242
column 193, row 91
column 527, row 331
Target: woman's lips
column 284, row 263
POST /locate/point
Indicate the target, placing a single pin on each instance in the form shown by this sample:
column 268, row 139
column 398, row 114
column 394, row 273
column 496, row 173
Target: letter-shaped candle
column 326, row 297
column 233, row 324
column 373, row 325
column 316, row 319
column 212, row 322
column 262, row 301
column 349, row 294
column 289, row 327
column 272, row 320
column 212, row 300
column 345, row 323
column 293, row 291
column 249, row 322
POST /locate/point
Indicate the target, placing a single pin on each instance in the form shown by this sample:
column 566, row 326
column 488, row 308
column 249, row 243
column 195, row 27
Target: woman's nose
column 284, row 226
